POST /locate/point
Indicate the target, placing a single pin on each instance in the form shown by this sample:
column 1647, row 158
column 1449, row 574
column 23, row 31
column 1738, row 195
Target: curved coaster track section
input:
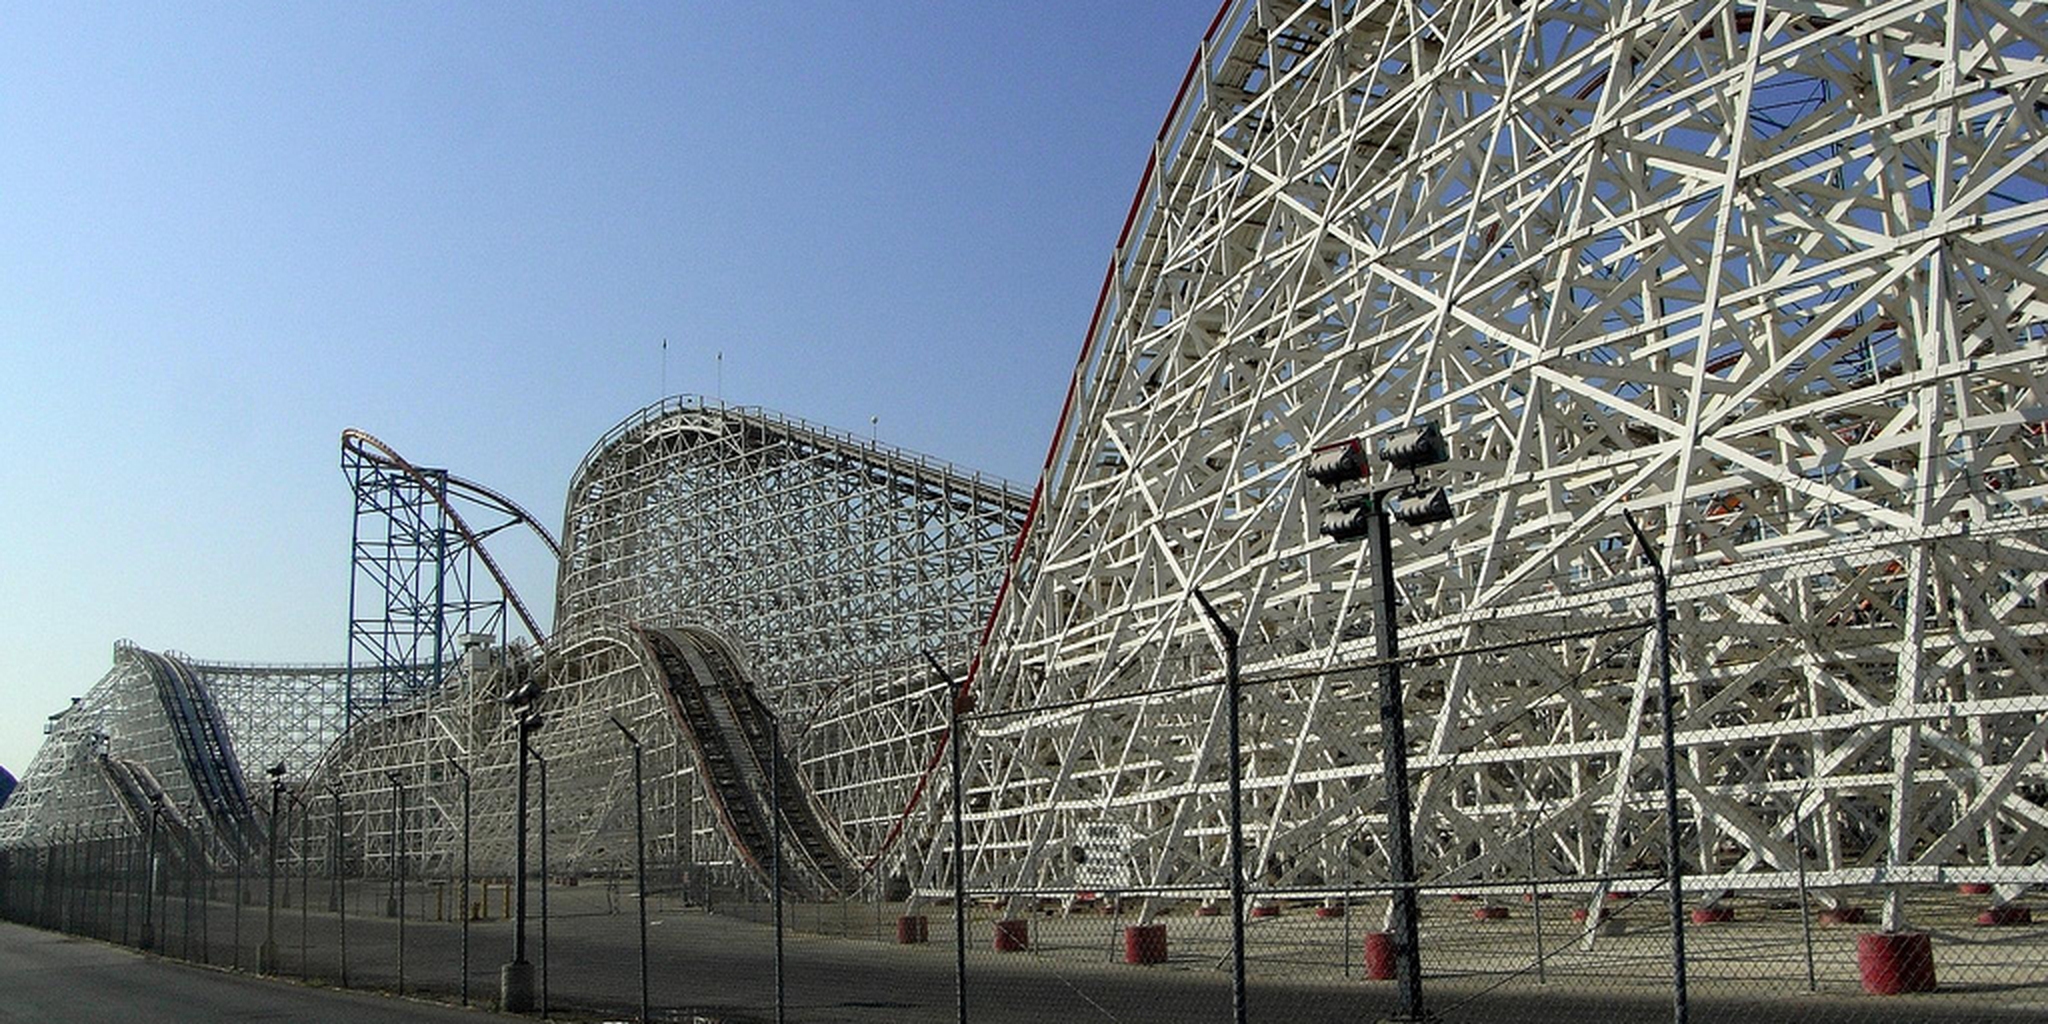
column 208, row 754
column 750, row 782
column 149, row 739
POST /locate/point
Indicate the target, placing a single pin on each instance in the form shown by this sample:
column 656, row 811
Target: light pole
column 515, row 979
column 266, row 955
column 1394, row 748
column 1360, row 509
column 639, row 858
column 543, row 883
column 463, row 907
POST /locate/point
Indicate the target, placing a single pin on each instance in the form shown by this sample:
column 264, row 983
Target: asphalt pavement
column 713, row 968
column 48, row 977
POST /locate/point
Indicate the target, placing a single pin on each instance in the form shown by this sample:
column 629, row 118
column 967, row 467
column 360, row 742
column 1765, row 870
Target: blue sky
column 229, row 231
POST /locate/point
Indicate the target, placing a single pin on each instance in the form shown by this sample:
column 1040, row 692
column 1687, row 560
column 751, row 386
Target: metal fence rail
column 1529, row 916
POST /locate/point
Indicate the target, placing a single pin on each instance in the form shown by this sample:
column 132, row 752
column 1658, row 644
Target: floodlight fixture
column 1419, row 446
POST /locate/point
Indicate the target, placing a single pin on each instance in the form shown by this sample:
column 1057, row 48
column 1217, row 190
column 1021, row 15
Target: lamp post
column 543, row 883
column 266, row 955
column 1361, row 510
column 515, row 979
column 639, row 858
column 1394, row 748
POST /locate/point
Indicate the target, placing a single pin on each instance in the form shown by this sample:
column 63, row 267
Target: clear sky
column 229, row 231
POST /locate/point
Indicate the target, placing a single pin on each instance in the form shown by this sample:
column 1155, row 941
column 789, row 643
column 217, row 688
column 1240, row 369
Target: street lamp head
column 275, row 771
column 523, row 694
column 530, row 724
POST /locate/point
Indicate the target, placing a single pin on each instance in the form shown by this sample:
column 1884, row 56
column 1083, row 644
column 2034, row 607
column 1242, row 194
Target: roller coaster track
column 728, row 728
column 136, row 788
column 367, row 447
column 143, row 798
column 202, row 737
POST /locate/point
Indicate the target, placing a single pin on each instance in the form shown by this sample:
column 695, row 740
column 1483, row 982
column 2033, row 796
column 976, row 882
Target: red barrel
column 2006, row 916
column 1974, row 888
column 1895, row 962
column 1265, row 910
column 1013, row 935
column 1713, row 915
column 1489, row 913
column 912, row 928
column 1844, row 914
column 1379, row 956
column 1145, row 944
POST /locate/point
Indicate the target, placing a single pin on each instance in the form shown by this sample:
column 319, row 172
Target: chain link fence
column 1545, row 892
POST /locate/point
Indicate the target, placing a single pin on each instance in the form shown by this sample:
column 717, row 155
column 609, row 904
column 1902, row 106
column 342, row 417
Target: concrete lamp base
column 515, row 987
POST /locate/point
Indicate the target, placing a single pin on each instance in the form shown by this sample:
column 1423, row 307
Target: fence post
column 266, row 956
column 398, row 865
column 1225, row 639
column 206, row 847
column 1805, row 907
column 956, row 697
column 237, row 955
column 341, row 877
column 462, row 903
column 543, row 883
column 148, row 938
column 305, row 884
column 775, row 847
column 639, row 856
column 1675, row 881
column 1536, row 897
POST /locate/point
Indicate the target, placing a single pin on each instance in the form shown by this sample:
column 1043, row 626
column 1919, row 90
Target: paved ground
column 720, row 970
column 46, row 977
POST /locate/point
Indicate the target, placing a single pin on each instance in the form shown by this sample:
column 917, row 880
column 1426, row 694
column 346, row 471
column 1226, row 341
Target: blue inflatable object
column 6, row 785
